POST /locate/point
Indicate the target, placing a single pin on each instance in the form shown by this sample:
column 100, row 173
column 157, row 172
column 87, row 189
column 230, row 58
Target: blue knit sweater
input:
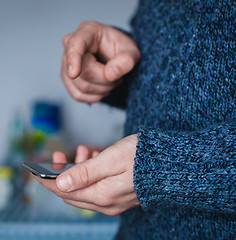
column 182, row 103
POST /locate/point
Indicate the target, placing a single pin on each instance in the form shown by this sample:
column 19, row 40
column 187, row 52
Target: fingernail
column 69, row 69
column 64, row 183
column 113, row 73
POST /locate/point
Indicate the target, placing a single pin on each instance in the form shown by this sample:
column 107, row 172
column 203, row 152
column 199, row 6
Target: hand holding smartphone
column 46, row 170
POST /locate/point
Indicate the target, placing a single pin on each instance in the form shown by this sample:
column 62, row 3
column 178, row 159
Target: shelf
column 48, row 217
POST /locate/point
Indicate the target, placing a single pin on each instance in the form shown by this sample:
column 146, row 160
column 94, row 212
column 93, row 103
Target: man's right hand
column 96, row 57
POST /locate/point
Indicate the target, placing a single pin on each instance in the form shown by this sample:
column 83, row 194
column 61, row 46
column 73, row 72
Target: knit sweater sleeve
column 117, row 97
column 189, row 169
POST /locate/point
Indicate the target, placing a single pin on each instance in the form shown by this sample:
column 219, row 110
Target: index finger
column 80, row 42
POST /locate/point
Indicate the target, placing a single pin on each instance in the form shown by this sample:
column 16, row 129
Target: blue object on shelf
column 46, row 116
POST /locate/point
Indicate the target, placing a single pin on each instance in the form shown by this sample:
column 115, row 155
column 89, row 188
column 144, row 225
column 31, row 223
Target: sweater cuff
column 146, row 176
column 186, row 169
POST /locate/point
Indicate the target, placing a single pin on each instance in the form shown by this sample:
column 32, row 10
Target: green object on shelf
column 31, row 142
column 6, row 172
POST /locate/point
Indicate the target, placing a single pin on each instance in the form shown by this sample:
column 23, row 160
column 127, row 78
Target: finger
column 59, row 157
column 110, row 211
column 82, row 154
column 77, row 94
column 59, row 161
column 96, row 194
column 85, row 195
column 81, row 42
column 93, row 71
column 121, row 64
column 83, row 90
column 96, row 89
column 83, row 205
column 80, row 96
column 80, row 176
column 88, row 172
column 58, row 166
column 105, row 192
column 95, row 153
column 66, row 39
column 92, row 79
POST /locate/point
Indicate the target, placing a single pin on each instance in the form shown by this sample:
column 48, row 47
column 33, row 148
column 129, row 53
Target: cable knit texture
column 181, row 102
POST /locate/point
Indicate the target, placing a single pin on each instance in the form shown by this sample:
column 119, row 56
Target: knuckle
column 89, row 24
column 83, row 174
column 72, row 42
column 65, row 39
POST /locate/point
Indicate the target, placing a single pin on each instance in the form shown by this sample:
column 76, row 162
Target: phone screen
column 46, row 169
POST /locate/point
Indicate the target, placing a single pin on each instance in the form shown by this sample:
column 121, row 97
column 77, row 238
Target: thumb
column 121, row 64
column 83, row 174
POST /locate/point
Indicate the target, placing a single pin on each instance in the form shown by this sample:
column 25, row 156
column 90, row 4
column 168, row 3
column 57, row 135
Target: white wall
column 30, row 55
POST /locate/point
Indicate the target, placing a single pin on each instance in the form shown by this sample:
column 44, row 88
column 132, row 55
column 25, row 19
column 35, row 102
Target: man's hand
column 103, row 183
column 96, row 57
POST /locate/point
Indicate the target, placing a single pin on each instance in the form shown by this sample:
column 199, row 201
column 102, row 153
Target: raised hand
column 96, row 57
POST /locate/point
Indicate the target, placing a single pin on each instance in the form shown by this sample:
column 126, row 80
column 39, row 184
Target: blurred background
column 37, row 114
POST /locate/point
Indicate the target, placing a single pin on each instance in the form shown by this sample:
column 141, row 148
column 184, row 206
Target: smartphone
column 46, row 170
